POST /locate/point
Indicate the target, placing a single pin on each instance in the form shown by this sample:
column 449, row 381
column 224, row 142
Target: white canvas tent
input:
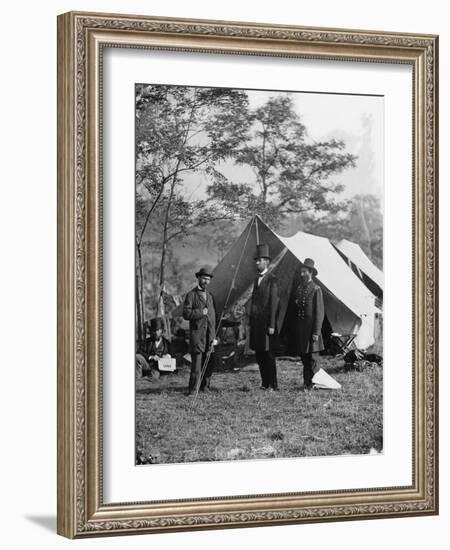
column 363, row 266
column 349, row 305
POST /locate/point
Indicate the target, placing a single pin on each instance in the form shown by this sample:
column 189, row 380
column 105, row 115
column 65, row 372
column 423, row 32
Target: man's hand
column 205, row 311
column 271, row 331
column 315, row 337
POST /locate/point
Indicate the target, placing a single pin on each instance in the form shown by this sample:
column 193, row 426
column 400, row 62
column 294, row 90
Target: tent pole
column 257, row 231
column 203, row 369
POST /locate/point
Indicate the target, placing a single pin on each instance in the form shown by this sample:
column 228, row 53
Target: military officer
column 200, row 310
column 308, row 300
column 264, row 319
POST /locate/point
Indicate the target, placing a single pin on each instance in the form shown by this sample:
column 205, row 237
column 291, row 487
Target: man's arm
column 189, row 312
column 216, row 320
column 319, row 312
column 274, row 300
column 166, row 347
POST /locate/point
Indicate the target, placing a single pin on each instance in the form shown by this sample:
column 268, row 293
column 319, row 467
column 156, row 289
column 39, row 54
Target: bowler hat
column 156, row 323
column 309, row 263
column 204, row 271
column 262, row 251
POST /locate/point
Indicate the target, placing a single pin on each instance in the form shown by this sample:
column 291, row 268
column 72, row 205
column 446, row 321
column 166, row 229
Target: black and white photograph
column 224, row 222
column 259, row 274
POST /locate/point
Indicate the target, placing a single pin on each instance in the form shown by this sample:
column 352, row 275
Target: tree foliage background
column 207, row 161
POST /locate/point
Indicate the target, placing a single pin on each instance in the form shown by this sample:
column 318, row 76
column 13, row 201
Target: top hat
column 262, row 251
column 204, row 271
column 309, row 264
column 156, row 323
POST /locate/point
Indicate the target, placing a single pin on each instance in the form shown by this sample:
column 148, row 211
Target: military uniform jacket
column 310, row 314
column 264, row 313
column 202, row 327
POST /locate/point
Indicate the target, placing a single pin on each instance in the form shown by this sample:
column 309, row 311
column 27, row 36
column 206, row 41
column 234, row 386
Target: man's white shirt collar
column 261, row 275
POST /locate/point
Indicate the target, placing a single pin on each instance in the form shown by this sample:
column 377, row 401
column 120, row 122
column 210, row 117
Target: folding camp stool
column 344, row 342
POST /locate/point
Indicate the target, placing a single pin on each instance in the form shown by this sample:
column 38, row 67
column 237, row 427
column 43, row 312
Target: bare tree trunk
column 153, row 206
column 169, row 204
column 141, row 285
column 162, row 270
column 140, row 302
column 138, row 312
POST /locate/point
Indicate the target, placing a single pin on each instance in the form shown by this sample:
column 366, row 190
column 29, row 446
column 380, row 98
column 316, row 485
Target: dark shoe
column 188, row 393
column 263, row 387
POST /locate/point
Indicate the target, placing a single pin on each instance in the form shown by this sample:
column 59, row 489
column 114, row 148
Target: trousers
column 267, row 368
column 146, row 368
column 198, row 360
column 310, row 366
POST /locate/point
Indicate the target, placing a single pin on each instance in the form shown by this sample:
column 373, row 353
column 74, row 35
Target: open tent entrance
column 349, row 305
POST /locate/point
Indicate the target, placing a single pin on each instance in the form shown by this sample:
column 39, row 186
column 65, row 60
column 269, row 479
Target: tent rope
column 205, row 363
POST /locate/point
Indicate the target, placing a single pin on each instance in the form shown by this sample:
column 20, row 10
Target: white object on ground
column 324, row 381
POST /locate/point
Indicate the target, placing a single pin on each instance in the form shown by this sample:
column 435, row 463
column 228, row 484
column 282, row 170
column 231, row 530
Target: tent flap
column 367, row 271
column 349, row 305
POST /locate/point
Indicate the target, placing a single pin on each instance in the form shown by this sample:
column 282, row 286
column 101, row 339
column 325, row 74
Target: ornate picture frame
column 82, row 38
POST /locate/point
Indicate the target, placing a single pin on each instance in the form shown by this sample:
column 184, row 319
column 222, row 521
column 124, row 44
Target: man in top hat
column 154, row 347
column 264, row 319
column 308, row 301
column 158, row 346
column 200, row 310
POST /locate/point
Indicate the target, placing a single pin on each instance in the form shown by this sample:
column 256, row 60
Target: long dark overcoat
column 310, row 314
column 202, row 327
column 264, row 313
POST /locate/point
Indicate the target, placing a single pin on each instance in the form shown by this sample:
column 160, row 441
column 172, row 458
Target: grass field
column 237, row 420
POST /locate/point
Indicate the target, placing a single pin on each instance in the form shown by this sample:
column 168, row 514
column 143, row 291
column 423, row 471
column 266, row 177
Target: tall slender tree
column 181, row 131
column 292, row 173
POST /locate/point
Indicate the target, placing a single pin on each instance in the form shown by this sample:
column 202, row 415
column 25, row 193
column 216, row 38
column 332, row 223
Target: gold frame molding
column 81, row 37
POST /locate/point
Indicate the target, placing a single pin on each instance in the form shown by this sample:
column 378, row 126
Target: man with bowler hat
column 308, row 301
column 200, row 310
column 264, row 319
